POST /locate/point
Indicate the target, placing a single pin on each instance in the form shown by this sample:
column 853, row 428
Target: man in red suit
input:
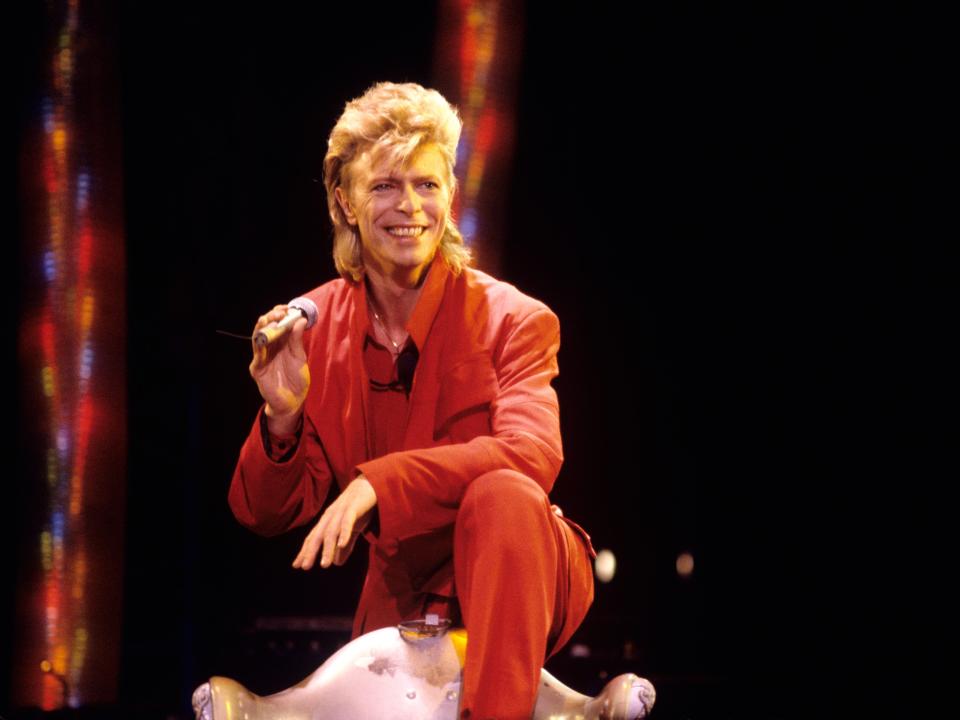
column 424, row 392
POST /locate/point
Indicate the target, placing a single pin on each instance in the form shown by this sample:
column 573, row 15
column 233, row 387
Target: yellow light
column 474, row 176
column 475, row 98
column 485, row 51
column 46, row 550
column 459, row 639
column 48, row 387
column 79, row 649
column 88, row 305
column 60, row 655
column 59, row 139
column 45, row 666
column 685, row 565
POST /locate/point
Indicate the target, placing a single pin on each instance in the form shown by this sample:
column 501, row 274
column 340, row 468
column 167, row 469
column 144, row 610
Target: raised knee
column 503, row 495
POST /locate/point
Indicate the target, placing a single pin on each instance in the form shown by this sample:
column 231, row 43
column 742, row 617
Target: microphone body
column 297, row 308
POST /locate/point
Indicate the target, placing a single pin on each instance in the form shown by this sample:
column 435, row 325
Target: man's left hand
column 338, row 528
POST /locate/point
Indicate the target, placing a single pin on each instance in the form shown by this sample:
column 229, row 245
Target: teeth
column 405, row 231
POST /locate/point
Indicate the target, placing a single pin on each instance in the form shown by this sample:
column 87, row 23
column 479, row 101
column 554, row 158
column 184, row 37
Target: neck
column 394, row 298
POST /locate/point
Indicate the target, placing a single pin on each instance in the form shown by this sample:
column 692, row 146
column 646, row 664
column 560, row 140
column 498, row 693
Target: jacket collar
column 424, row 312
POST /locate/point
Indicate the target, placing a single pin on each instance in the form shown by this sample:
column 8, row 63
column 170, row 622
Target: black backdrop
column 729, row 209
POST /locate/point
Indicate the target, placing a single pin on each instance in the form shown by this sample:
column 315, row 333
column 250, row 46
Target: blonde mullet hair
column 395, row 120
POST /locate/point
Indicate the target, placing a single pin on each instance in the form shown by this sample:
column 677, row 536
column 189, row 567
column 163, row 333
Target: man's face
column 400, row 212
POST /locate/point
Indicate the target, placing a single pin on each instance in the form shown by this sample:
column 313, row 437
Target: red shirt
column 388, row 406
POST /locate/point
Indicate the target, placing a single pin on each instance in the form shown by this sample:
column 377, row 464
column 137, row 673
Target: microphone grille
column 308, row 307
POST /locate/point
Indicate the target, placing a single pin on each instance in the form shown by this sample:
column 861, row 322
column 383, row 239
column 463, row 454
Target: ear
column 345, row 205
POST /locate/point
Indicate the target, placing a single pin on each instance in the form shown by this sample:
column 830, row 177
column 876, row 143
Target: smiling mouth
column 405, row 231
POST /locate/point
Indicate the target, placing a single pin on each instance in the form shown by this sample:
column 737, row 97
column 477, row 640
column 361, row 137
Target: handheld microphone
column 297, row 308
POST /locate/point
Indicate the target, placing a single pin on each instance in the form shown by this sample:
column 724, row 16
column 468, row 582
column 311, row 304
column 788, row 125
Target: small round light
column 685, row 565
column 605, row 566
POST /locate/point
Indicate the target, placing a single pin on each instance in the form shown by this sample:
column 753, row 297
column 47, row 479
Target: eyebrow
column 395, row 178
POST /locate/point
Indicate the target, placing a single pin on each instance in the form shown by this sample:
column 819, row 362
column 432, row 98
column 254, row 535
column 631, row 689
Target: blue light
column 83, row 190
column 468, row 225
column 58, row 525
column 86, row 362
column 49, row 265
column 463, row 151
column 46, row 109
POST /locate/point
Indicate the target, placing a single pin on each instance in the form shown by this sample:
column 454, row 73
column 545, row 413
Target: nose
column 410, row 202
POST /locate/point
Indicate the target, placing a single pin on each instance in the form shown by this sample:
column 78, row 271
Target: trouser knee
column 503, row 499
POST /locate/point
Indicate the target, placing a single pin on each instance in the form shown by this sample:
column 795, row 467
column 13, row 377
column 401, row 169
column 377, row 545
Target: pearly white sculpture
column 409, row 672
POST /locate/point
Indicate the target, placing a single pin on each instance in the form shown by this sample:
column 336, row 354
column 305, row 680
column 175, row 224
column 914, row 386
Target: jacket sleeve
column 420, row 490
column 271, row 497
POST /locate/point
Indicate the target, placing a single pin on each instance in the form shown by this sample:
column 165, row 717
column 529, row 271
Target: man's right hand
column 280, row 371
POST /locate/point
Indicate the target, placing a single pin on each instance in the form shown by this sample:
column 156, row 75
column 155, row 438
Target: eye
column 382, row 187
column 430, row 185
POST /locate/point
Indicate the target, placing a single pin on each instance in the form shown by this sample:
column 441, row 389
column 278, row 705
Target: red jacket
column 481, row 400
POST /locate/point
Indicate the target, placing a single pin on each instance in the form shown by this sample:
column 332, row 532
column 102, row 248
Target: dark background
column 731, row 210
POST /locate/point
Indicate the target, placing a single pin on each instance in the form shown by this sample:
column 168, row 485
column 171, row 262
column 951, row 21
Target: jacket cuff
column 380, row 482
column 279, row 448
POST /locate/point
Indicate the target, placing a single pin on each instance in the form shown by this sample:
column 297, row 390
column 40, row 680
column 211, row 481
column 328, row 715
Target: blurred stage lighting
column 685, row 565
column 605, row 566
column 579, row 650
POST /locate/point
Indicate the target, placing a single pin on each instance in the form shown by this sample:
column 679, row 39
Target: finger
column 259, row 353
column 342, row 554
column 258, row 356
column 346, row 528
column 330, row 535
column 308, row 551
column 304, row 558
column 262, row 355
column 278, row 313
column 296, row 339
column 329, row 548
column 259, row 360
column 261, row 323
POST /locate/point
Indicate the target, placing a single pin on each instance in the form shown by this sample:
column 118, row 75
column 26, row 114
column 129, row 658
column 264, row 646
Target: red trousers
column 524, row 580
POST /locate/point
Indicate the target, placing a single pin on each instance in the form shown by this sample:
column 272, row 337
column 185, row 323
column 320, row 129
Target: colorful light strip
column 70, row 603
column 67, row 367
column 478, row 72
